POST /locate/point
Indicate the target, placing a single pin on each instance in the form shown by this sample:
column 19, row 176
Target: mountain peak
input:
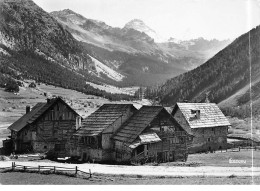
column 68, row 11
column 140, row 26
column 64, row 12
column 137, row 24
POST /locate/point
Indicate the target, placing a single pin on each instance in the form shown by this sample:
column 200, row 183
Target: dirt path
column 167, row 171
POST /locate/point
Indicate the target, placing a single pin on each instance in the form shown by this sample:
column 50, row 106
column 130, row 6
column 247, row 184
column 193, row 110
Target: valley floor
column 213, row 164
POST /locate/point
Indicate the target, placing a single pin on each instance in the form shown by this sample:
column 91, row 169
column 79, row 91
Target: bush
column 32, row 85
column 11, row 86
column 19, row 83
column 51, row 155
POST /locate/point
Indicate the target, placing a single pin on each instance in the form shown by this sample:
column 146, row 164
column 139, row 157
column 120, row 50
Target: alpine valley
column 50, row 47
column 63, row 51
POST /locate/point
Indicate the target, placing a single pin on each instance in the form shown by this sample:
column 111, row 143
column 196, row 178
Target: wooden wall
column 171, row 148
column 54, row 127
column 107, row 143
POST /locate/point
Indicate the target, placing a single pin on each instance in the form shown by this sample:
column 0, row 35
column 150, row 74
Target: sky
column 180, row 19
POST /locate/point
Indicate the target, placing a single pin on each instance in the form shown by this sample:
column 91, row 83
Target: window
column 209, row 139
column 52, row 115
column 55, row 133
column 89, row 140
column 45, row 147
column 181, row 140
column 174, row 140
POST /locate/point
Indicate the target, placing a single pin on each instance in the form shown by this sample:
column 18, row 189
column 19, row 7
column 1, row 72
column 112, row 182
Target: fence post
column 12, row 165
column 238, row 148
column 76, row 170
column 89, row 173
column 39, row 168
column 54, row 170
column 24, row 168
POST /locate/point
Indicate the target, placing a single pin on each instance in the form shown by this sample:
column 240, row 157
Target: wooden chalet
column 205, row 122
column 44, row 128
column 151, row 134
column 92, row 140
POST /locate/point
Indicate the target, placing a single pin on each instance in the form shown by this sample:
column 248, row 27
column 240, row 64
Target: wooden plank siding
column 99, row 127
column 154, row 119
column 49, row 128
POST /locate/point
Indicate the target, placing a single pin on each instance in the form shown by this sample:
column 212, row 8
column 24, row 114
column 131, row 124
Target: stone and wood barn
column 151, row 134
column 44, row 128
column 92, row 141
column 205, row 122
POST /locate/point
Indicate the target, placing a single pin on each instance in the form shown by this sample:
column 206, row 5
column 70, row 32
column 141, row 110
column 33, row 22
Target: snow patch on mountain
column 174, row 40
column 102, row 68
column 139, row 25
column 4, row 52
column 8, row 42
column 114, row 89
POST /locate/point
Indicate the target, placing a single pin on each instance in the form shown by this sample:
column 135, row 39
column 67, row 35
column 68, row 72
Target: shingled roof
column 210, row 114
column 37, row 111
column 98, row 121
column 136, row 124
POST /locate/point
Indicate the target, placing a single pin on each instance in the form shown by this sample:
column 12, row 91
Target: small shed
column 242, row 140
column 206, row 122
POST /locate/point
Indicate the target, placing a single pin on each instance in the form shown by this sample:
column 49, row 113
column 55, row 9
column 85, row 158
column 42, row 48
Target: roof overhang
column 145, row 138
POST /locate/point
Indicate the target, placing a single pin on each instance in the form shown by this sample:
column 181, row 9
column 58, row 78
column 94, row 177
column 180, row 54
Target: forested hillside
column 221, row 76
column 33, row 45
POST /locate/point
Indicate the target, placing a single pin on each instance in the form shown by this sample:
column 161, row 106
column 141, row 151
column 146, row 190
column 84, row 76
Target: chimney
column 207, row 98
column 28, row 109
column 78, row 122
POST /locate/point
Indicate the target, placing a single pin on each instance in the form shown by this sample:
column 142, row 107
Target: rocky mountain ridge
column 33, row 45
column 43, row 36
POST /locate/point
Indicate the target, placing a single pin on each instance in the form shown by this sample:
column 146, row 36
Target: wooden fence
column 239, row 148
column 52, row 169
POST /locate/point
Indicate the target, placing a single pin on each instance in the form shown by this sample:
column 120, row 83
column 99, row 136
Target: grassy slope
column 13, row 106
column 222, row 159
column 15, row 178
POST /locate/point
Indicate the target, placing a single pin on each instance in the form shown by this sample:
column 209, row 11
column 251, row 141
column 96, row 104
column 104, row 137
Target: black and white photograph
column 129, row 92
